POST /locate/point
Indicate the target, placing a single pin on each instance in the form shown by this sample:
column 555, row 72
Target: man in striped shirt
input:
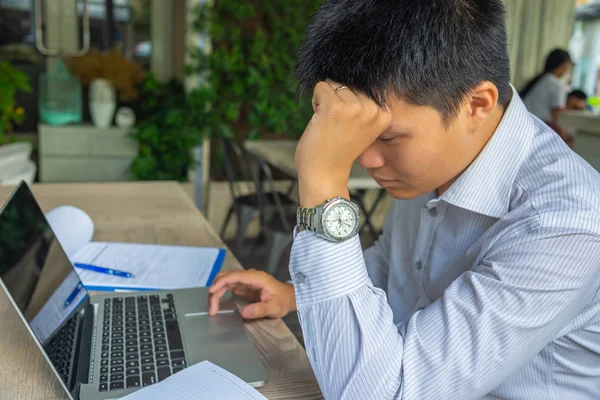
column 485, row 282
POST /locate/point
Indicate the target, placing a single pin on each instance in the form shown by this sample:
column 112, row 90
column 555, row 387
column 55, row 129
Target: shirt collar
column 485, row 186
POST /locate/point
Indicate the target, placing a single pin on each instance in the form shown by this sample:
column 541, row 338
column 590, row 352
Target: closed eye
column 386, row 140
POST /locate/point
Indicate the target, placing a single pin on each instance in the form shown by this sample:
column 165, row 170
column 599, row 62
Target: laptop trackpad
column 222, row 340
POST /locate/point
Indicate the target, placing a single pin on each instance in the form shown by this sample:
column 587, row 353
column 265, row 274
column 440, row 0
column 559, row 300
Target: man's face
column 573, row 103
column 418, row 153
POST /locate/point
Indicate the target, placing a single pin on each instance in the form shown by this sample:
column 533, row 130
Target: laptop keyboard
column 141, row 342
column 61, row 348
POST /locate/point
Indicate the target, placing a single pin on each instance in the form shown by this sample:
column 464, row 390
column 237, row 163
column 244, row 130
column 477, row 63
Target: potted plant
column 249, row 88
column 107, row 75
column 170, row 123
column 11, row 81
column 250, row 69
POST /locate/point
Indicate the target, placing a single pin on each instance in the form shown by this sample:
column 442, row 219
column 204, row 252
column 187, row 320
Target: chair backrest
column 267, row 185
column 239, row 172
column 237, row 168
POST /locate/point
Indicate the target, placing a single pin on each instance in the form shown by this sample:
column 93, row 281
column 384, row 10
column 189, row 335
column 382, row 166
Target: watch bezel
column 329, row 207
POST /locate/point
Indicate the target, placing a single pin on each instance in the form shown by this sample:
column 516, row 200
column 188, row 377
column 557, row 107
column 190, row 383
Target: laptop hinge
column 86, row 345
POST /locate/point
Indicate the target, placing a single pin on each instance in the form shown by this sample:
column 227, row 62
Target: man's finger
column 254, row 279
column 254, row 311
column 220, row 274
column 261, row 310
column 246, row 292
column 215, row 298
column 346, row 95
column 214, row 301
column 322, row 95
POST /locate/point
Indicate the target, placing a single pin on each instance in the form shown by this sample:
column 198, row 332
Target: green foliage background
column 251, row 66
column 11, row 81
column 249, row 89
column 170, row 124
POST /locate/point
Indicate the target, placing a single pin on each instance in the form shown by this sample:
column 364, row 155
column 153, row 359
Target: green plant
column 11, row 81
column 250, row 68
column 248, row 89
column 169, row 125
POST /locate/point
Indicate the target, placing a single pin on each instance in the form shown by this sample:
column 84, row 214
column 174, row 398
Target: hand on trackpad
column 226, row 306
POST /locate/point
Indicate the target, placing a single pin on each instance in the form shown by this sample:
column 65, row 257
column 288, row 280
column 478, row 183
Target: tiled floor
column 258, row 261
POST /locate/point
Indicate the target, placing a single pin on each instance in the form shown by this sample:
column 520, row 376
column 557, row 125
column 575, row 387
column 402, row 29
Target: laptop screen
column 34, row 268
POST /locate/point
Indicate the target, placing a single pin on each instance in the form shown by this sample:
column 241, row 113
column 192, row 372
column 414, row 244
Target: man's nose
column 371, row 158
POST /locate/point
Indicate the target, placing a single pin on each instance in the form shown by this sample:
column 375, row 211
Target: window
column 585, row 48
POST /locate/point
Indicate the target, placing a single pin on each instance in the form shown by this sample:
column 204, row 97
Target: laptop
column 107, row 346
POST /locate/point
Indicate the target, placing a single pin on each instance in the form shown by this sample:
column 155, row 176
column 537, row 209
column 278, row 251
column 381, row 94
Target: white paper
column 54, row 312
column 153, row 266
column 200, row 381
column 72, row 227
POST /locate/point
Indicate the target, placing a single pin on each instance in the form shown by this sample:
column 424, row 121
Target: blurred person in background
column 576, row 101
column 545, row 96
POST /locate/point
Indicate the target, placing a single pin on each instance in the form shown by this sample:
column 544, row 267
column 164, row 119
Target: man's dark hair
column 426, row 52
column 578, row 94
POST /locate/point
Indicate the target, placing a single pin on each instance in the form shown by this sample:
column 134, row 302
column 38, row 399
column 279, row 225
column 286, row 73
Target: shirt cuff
column 323, row 270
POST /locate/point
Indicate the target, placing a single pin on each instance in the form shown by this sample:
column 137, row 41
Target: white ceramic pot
column 125, row 117
column 103, row 102
column 102, row 113
column 102, row 91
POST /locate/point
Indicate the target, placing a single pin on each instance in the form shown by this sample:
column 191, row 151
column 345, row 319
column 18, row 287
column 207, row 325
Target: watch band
column 305, row 218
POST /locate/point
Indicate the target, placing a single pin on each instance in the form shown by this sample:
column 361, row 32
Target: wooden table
column 280, row 154
column 153, row 213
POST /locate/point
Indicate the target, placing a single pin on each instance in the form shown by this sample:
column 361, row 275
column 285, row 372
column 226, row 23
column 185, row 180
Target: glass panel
column 34, row 268
column 585, row 49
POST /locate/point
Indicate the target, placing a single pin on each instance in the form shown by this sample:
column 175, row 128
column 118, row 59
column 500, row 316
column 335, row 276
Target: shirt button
column 433, row 212
column 299, row 278
column 419, row 265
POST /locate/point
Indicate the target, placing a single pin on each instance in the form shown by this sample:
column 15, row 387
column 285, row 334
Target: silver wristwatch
column 335, row 220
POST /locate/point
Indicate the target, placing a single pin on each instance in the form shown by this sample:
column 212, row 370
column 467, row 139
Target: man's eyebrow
column 396, row 129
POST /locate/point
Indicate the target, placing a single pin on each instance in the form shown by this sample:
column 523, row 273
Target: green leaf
column 249, row 87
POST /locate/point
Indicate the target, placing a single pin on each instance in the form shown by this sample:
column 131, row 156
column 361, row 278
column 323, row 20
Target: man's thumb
column 258, row 310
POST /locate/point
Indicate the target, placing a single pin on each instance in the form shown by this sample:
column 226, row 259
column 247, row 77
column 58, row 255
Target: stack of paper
column 152, row 266
column 200, row 381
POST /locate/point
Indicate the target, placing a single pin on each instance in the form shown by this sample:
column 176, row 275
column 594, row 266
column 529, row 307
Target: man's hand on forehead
column 343, row 126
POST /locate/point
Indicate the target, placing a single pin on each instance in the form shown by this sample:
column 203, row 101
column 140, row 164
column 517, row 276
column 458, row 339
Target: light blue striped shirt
column 489, row 291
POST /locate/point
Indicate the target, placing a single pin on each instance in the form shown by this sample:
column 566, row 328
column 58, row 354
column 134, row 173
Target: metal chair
column 359, row 198
column 248, row 207
column 280, row 220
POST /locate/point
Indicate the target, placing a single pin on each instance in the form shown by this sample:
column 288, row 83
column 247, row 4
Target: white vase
column 125, row 117
column 102, row 102
column 102, row 91
column 102, row 113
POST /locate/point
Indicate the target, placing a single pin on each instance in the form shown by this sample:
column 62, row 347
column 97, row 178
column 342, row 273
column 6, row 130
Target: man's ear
column 482, row 102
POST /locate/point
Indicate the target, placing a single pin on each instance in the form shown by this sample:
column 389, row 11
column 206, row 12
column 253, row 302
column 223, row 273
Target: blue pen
column 73, row 294
column 103, row 270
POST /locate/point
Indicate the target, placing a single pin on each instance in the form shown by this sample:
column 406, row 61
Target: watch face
column 340, row 221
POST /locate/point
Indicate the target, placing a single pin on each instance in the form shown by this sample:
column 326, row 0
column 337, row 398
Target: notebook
column 154, row 267
column 200, row 381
